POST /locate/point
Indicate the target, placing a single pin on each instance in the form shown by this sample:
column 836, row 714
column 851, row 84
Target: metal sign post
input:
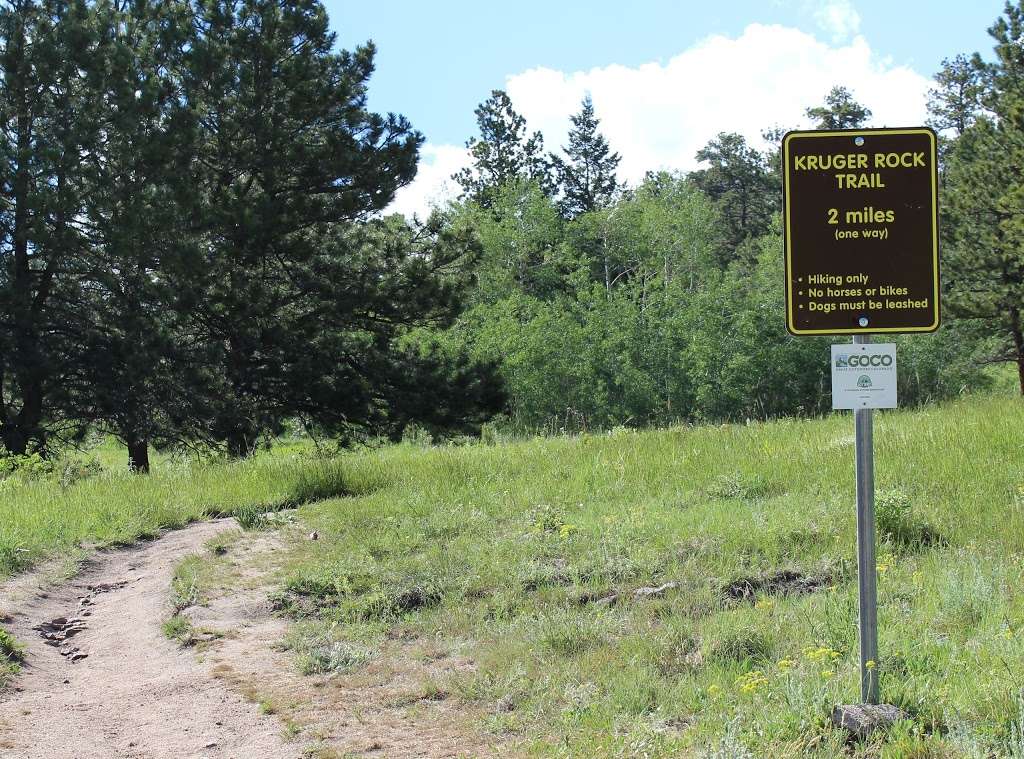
column 865, row 454
column 860, row 215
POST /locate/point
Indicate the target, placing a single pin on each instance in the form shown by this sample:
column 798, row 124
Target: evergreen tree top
column 840, row 111
column 502, row 153
column 586, row 176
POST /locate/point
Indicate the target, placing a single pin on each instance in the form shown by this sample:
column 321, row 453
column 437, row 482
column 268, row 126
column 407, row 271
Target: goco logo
column 863, row 360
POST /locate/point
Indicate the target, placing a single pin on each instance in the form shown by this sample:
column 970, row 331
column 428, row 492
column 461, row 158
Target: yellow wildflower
column 786, row 664
column 821, row 653
column 751, row 681
column 764, row 603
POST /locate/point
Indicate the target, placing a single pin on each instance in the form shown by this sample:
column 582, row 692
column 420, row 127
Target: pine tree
column 586, row 176
column 739, row 182
column 840, row 111
column 138, row 375
column 47, row 133
column 984, row 252
column 957, row 99
column 303, row 302
column 502, row 153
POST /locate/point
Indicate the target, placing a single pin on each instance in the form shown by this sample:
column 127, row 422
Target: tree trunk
column 138, row 456
column 14, row 441
column 25, row 359
column 239, row 445
column 1017, row 331
column 1020, row 360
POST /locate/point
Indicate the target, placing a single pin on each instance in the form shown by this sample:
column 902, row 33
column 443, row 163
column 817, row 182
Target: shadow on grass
column 320, row 481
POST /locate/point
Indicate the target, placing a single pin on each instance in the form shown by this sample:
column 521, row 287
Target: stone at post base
column 860, row 720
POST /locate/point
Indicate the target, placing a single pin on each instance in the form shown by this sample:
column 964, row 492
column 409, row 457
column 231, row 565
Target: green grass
column 523, row 558
column 319, row 652
column 12, row 654
column 179, row 629
column 48, row 516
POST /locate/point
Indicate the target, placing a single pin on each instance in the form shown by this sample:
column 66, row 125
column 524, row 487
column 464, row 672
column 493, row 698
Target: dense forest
column 195, row 250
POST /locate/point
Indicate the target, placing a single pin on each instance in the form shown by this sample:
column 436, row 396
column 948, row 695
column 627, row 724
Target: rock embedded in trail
column 59, row 629
column 106, row 587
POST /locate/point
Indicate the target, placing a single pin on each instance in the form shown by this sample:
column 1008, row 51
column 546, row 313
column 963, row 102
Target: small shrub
column 252, row 517
column 740, row 486
column 570, row 635
column 897, row 523
column 178, row 628
column 489, row 434
column 747, row 646
column 185, row 585
column 729, row 747
column 76, row 470
column 892, row 511
column 389, row 603
column 318, row 584
column 357, row 597
column 1015, row 743
column 318, row 652
column 219, row 545
column 30, row 466
column 681, row 653
column 11, row 651
column 547, row 518
column 336, row 656
column 14, row 556
column 418, row 436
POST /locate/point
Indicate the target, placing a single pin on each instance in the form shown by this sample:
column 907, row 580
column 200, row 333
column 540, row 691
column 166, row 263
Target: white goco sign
column 864, row 375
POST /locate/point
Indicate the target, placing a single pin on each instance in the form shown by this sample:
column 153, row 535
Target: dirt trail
column 134, row 694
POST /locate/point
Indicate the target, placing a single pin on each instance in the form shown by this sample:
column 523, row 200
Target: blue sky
column 697, row 68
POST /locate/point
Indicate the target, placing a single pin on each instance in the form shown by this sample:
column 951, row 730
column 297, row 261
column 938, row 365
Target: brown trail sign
column 861, row 230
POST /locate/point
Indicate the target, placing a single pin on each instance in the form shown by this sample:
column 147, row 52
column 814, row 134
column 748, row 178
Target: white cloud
column 657, row 116
column 839, row 18
column 433, row 185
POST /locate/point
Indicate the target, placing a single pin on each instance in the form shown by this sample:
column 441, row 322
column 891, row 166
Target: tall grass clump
column 12, row 654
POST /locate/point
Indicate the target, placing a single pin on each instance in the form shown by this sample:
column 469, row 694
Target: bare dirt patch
column 785, row 582
column 102, row 680
column 392, row 706
column 122, row 689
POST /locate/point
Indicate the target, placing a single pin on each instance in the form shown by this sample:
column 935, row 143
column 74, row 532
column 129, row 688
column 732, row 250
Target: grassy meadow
column 55, row 513
column 524, row 558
